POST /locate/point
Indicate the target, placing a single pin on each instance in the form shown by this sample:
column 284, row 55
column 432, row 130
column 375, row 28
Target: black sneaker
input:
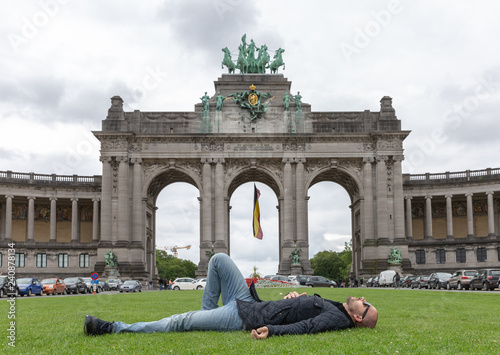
column 96, row 326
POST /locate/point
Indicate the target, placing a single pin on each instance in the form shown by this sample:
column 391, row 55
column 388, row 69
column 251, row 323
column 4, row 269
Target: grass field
column 410, row 322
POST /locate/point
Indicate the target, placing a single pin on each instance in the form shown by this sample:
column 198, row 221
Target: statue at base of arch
column 295, row 256
column 111, row 259
column 394, row 257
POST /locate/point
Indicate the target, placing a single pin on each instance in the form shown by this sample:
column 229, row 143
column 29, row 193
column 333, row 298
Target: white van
column 386, row 277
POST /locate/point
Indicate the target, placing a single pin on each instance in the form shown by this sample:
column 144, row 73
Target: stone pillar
column 53, row 219
column 123, row 201
column 398, row 198
column 95, row 220
column 470, row 215
column 138, row 215
column 301, row 214
column 220, row 215
column 106, row 192
column 491, row 214
column 31, row 219
column 288, row 204
column 449, row 217
column 382, row 215
column 8, row 217
column 74, row 220
column 409, row 218
column 369, row 226
column 428, row 217
column 206, row 203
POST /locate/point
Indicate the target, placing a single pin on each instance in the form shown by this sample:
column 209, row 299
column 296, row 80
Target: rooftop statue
column 249, row 61
column 204, row 99
column 298, row 102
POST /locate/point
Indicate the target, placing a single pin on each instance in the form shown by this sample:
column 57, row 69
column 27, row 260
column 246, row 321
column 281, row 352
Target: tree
column 172, row 268
column 255, row 274
column 333, row 265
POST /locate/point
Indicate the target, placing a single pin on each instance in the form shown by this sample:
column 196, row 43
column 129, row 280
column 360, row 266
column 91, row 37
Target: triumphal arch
column 252, row 126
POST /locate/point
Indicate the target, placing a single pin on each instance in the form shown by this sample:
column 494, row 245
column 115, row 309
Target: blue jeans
column 224, row 279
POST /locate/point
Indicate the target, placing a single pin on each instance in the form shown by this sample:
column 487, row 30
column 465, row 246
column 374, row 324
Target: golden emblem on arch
column 253, row 99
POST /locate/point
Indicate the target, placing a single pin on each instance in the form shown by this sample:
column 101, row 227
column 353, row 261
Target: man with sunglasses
column 243, row 310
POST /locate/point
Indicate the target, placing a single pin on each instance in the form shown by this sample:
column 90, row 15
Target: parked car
column 460, row 279
column 8, row 286
column 29, row 286
column 184, row 283
column 406, row 282
column 114, row 284
column 319, row 281
column 438, row 280
column 375, row 281
column 200, row 284
column 75, row 285
column 279, row 278
column 485, row 279
column 386, row 278
column 421, row 281
column 131, row 286
column 369, row 282
column 54, row 286
column 301, row 279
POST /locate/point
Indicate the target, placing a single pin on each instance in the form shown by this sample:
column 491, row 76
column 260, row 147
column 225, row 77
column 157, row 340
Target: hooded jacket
column 300, row 315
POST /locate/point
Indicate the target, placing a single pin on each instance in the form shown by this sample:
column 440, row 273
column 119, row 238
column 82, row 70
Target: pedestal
column 111, row 272
column 395, row 267
column 295, row 269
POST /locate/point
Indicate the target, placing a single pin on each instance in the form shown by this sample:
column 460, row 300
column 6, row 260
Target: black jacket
column 301, row 315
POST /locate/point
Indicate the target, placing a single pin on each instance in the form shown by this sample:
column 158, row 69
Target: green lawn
column 410, row 321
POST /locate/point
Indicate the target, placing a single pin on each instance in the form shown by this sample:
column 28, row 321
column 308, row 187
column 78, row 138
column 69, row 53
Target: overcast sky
column 62, row 61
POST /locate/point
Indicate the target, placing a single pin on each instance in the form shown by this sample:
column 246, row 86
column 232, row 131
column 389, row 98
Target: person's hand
column 294, row 294
column 260, row 333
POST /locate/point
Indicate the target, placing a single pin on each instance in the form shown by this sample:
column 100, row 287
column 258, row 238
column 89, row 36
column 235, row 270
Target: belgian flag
column 257, row 230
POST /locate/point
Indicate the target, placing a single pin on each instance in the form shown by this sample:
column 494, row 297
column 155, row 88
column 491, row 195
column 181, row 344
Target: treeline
column 333, row 265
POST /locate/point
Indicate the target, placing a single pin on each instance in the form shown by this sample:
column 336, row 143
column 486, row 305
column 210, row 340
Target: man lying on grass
column 243, row 310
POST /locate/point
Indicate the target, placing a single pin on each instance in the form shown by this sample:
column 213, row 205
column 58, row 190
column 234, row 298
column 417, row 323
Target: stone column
column 106, row 192
column 428, row 217
column 95, row 220
column 138, row 215
column 53, row 219
column 409, row 218
column 8, row 217
column 382, row 215
column 491, row 214
column 288, row 204
column 369, row 227
column 220, row 216
column 398, row 198
column 206, row 203
column 470, row 215
column 74, row 220
column 123, row 201
column 301, row 214
column 31, row 219
column 449, row 217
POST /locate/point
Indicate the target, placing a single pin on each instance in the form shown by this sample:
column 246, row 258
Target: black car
column 406, row 282
column 301, row 279
column 319, row 281
column 8, row 286
column 438, row 280
column 75, row 285
column 485, row 279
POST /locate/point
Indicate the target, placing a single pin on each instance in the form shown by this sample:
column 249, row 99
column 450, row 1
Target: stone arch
column 340, row 175
column 248, row 174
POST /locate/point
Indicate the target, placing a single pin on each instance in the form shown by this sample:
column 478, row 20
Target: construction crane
column 174, row 249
